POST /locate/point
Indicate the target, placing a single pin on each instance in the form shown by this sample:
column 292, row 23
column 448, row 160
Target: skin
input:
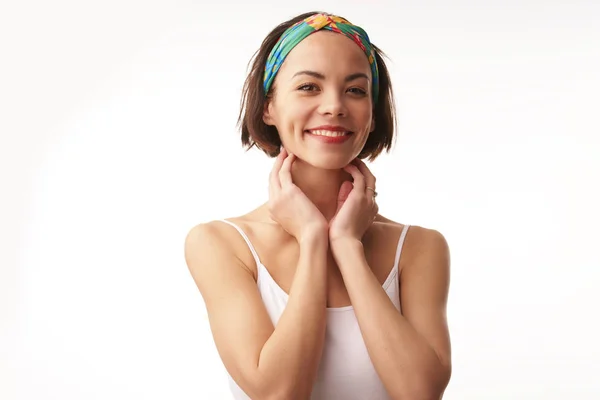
column 322, row 240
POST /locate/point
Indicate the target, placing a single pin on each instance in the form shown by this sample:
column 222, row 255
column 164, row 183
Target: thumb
column 344, row 192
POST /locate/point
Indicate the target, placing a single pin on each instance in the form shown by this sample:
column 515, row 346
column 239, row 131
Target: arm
column 266, row 362
column 410, row 350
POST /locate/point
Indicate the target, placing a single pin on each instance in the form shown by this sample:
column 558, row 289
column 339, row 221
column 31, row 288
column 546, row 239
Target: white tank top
column 345, row 371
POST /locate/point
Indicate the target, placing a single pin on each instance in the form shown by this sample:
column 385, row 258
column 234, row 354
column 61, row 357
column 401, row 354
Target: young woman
column 314, row 294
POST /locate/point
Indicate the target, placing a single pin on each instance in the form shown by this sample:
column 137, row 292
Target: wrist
column 314, row 237
column 345, row 246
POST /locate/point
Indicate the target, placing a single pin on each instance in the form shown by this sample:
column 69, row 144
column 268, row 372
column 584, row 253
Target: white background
column 118, row 134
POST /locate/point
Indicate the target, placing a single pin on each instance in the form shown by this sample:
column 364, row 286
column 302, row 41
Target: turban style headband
column 299, row 31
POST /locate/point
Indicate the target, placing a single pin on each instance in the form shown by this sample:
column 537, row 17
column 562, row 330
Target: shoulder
column 421, row 243
column 203, row 242
column 428, row 262
column 205, row 231
column 212, row 241
column 207, row 235
column 427, row 242
column 387, row 227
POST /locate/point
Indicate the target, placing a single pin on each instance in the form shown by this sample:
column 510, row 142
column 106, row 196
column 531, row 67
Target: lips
column 329, row 137
column 328, row 133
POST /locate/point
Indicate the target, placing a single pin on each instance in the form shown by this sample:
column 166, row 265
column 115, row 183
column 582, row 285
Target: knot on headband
column 299, row 31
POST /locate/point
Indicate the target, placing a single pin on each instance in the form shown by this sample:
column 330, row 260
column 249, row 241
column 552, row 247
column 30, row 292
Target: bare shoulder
column 207, row 235
column 210, row 243
column 419, row 242
column 211, row 231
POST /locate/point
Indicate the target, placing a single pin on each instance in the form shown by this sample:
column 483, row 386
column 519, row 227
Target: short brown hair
column 256, row 133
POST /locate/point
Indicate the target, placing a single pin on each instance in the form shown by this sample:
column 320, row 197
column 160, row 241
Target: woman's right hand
column 289, row 206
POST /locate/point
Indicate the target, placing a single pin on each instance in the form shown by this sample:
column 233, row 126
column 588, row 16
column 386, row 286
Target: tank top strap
column 399, row 247
column 247, row 240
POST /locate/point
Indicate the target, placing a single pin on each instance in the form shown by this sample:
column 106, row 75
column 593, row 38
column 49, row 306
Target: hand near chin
column 357, row 207
column 289, row 206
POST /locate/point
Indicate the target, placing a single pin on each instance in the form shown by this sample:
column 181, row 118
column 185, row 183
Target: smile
column 324, row 132
column 327, row 136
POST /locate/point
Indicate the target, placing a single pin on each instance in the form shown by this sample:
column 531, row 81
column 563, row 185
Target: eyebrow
column 318, row 75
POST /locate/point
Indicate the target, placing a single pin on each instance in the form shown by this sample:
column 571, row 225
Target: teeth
column 328, row 133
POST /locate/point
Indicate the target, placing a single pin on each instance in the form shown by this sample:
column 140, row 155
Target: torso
column 279, row 252
column 277, row 256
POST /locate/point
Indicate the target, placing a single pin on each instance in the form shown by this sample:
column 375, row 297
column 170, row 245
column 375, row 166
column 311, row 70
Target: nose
column 332, row 104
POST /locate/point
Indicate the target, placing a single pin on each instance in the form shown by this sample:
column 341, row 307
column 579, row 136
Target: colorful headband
column 299, row 31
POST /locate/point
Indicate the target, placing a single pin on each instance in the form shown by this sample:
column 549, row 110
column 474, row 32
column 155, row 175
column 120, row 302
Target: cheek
column 297, row 112
column 290, row 119
column 364, row 117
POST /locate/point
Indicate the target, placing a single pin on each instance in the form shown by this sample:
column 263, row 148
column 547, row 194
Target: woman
column 308, row 295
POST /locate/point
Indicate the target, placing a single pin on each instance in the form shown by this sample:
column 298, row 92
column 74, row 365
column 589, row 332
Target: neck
column 321, row 186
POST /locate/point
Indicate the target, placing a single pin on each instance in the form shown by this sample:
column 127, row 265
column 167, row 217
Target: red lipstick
column 330, row 139
column 334, row 128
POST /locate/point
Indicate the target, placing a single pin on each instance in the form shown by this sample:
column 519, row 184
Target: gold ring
column 372, row 190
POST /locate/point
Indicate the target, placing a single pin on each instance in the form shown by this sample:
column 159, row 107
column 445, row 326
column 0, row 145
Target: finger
column 343, row 194
column 274, row 175
column 359, row 179
column 285, row 173
column 370, row 180
column 369, row 177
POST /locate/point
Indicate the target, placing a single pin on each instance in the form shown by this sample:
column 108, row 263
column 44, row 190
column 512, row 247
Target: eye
column 307, row 87
column 358, row 91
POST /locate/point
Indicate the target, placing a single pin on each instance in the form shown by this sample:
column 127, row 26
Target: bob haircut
column 256, row 133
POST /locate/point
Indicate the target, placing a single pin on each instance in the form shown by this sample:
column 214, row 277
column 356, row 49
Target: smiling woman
column 309, row 86
column 314, row 294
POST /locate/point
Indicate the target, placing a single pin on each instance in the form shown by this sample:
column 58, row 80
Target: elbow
column 275, row 383
column 288, row 395
column 267, row 393
column 290, row 392
column 284, row 394
column 424, row 389
column 281, row 391
column 423, row 393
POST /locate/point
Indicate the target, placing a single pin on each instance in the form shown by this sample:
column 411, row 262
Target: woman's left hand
column 356, row 204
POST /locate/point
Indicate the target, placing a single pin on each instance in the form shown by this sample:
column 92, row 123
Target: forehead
column 326, row 51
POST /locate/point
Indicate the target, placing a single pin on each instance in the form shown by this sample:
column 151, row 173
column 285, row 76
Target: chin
column 328, row 162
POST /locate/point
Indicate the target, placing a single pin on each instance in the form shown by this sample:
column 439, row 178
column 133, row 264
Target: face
column 322, row 104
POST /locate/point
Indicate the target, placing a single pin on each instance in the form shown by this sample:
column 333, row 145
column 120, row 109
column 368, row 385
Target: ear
column 268, row 112
column 372, row 128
